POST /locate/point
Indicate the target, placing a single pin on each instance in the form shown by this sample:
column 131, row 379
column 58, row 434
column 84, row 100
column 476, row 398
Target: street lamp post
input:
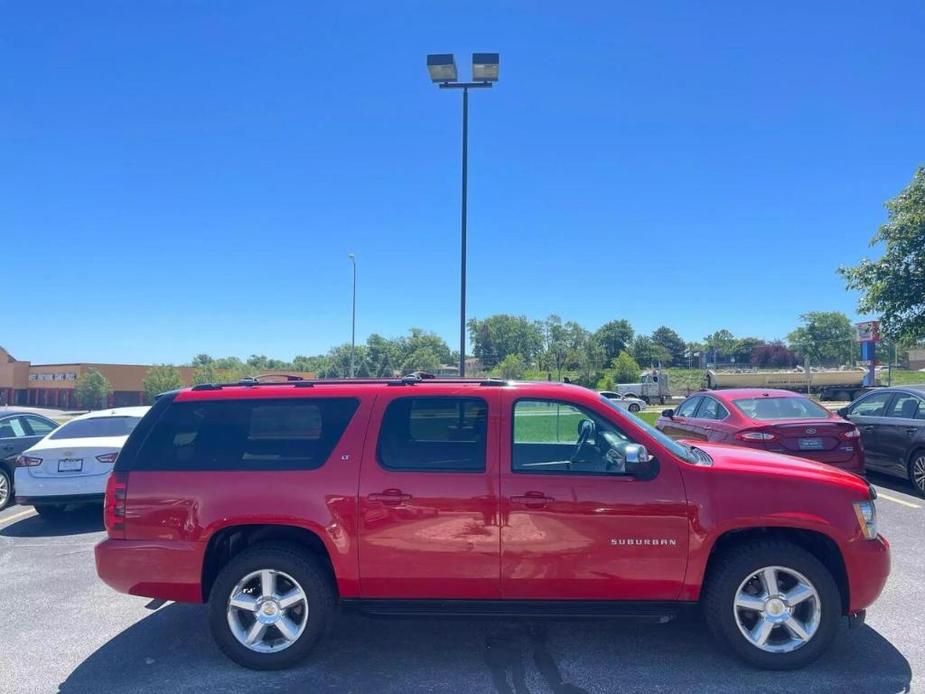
column 353, row 327
column 442, row 69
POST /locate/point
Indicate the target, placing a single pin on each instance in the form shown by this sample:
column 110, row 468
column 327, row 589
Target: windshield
column 680, row 450
column 780, row 408
column 96, row 426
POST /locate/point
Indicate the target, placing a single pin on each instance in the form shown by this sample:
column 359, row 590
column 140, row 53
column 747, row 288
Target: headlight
column 866, row 512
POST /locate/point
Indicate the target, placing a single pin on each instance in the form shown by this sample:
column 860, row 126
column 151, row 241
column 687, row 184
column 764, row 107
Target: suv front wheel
column 269, row 605
column 773, row 603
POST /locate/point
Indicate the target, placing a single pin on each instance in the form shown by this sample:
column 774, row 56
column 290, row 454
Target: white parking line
column 16, row 516
column 881, row 495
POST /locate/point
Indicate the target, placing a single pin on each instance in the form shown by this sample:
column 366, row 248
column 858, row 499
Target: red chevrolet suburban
column 280, row 503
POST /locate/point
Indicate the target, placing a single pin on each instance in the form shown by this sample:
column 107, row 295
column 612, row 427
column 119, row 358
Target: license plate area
column 70, row 464
column 810, row 444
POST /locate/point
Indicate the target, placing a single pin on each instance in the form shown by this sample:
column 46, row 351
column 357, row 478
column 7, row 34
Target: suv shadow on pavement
column 76, row 522
column 171, row 649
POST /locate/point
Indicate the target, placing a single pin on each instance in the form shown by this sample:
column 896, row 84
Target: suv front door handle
column 532, row 499
column 390, row 497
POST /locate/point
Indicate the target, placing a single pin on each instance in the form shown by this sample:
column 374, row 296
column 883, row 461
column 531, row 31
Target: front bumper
column 152, row 568
column 868, row 565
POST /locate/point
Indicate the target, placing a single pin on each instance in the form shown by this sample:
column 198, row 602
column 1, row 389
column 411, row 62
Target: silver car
column 628, row 403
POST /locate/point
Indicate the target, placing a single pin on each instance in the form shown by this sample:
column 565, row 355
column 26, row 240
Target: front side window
column 291, row 434
column 688, row 407
column 559, row 437
column 96, row 427
column 436, row 434
column 780, row 408
column 905, row 406
column 40, row 426
column 871, row 406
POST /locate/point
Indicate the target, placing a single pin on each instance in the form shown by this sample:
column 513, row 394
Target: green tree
column 496, row 337
column 672, row 342
column 421, row 359
column 826, row 338
column 720, row 344
column 202, row 360
column 625, row 369
column 92, row 390
column 744, row 347
column 614, row 337
column 384, row 356
column 512, row 367
column 159, row 379
column 894, row 286
column 648, row 353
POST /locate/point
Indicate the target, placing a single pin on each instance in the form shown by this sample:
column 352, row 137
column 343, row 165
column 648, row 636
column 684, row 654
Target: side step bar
column 657, row 612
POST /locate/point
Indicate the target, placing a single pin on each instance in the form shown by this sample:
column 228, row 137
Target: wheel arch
column 820, row 545
column 230, row 541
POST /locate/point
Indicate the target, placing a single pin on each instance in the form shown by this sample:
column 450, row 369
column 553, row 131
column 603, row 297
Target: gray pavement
column 62, row 629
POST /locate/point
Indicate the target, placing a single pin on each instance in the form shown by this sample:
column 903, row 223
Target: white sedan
column 626, row 402
column 71, row 464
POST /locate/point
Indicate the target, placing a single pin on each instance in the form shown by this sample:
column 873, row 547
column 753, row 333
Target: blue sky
column 189, row 176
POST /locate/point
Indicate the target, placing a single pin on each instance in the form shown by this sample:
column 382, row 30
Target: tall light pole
column 353, row 328
column 442, row 69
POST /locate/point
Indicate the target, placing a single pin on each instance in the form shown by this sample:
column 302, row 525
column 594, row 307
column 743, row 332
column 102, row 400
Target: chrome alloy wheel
column 4, row 490
column 918, row 472
column 267, row 611
column 777, row 609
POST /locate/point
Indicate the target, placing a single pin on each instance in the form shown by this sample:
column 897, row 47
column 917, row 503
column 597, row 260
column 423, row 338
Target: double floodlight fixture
column 485, row 68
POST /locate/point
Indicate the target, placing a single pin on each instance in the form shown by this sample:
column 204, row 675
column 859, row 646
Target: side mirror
column 638, row 461
column 668, row 413
column 842, row 412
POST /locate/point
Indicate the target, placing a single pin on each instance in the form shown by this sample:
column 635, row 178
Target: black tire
column 633, row 407
column 734, row 567
column 314, row 580
column 51, row 511
column 6, row 483
column 916, row 460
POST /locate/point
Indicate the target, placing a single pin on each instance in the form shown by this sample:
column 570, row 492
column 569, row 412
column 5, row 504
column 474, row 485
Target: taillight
column 27, row 461
column 108, row 457
column 852, row 433
column 755, row 436
column 114, row 508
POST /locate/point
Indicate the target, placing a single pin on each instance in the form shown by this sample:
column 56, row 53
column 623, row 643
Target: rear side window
column 293, row 434
column 39, row 426
column 906, row 406
column 440, row 434
column 96, row 426
column 711, row 409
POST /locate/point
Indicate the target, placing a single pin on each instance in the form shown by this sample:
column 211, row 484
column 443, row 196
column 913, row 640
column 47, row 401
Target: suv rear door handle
column 911, row 431
column 532, row 499
column 390, row 497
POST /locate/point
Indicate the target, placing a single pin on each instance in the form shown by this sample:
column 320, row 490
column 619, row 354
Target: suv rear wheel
column 773, row 603
column 269, row 605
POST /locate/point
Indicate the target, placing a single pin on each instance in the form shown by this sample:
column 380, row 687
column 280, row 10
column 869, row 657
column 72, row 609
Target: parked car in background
column 892, row 426
column 71, row 464
column 19, row 429
column 277, row 503
column 780, row 421
column 627, row 402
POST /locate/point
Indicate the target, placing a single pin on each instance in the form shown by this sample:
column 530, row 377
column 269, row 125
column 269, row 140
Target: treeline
column 512, row 346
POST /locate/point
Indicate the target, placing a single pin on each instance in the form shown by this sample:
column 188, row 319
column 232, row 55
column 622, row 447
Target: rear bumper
column 868, row 566
column 152, row 568
column 31, row 487
column 60, row 499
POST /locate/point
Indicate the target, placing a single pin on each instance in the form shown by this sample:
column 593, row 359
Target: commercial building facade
column 53, row 385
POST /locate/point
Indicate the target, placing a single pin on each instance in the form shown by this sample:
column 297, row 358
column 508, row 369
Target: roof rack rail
column 298, row 382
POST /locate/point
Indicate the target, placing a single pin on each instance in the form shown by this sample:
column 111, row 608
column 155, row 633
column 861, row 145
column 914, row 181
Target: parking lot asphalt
column 63, row 629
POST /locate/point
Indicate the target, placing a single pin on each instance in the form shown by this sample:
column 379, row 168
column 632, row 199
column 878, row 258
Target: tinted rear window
column 96, row 426
column 438, row 434
column 294, row 434
column 781, row 408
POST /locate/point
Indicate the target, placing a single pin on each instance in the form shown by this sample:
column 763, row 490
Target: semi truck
column 653, row 387
column 832, row 384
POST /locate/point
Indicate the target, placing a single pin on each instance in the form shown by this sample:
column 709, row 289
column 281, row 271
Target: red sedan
column 772, row 420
